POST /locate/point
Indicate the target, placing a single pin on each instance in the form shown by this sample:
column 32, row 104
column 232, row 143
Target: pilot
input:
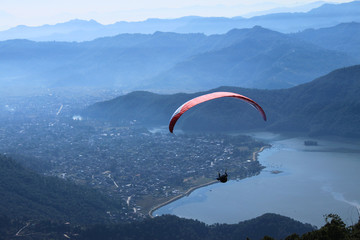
column 222, row 178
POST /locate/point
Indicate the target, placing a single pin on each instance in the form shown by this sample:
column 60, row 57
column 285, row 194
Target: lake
column 301, row 182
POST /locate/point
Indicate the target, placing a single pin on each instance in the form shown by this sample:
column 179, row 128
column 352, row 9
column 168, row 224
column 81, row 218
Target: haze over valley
column 85, row 150
column 171, row 62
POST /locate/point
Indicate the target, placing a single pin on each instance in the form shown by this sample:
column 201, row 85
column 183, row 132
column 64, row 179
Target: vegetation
column 326, row 106
column 128, row 164
column 266, row 227
column 333, row 38
column 27, row 195
column 256, row 58
column 334, row 229
column 164, row 227
column 171, row 227
column 38, row 207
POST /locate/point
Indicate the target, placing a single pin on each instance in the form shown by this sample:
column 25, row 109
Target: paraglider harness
column 222, row 178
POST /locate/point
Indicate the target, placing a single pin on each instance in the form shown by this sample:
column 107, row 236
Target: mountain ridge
column 82, row 30
column 255, row 57
column 334, row 38
column 260, row 58
column 315, row 108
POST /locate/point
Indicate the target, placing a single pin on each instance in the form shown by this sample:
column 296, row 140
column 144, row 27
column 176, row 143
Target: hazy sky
column 40, row 12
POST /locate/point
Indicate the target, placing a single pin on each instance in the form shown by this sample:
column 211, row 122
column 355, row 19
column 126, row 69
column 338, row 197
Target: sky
column 40, row 12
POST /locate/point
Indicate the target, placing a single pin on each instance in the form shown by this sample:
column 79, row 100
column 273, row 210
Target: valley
column 127, row 163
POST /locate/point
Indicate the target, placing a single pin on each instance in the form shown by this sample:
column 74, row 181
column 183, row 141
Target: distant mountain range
column 260, row 58
column 329, row 105
column 327, row 15
column 252, row 58
column 336, row 38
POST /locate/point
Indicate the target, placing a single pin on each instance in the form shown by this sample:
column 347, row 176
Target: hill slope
column 259, row 59
column 327, row 105
column 171, row 227
column 254, row 57
column 344, row 37
column 163, row 227
column 27, row 195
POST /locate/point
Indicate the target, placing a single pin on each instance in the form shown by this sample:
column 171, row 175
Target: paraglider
column 207, row 97
column 222, row 178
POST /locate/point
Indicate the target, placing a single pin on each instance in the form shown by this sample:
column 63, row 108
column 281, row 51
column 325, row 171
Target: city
column 138, row 167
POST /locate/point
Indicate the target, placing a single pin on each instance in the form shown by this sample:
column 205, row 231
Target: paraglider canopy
column 207, row 97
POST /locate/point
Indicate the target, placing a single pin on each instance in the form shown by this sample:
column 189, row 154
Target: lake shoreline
column 153, row 209
column 189, row 191
column 302, row 174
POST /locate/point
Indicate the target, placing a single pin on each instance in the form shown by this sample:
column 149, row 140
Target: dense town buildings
column 130, row 163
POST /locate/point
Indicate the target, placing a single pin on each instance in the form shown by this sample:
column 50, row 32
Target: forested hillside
column 28, row 195
column 327, row 105
column 171, row 62
column 266, row 227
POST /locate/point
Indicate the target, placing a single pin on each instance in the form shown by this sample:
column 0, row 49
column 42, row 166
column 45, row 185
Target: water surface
column 301, row 182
